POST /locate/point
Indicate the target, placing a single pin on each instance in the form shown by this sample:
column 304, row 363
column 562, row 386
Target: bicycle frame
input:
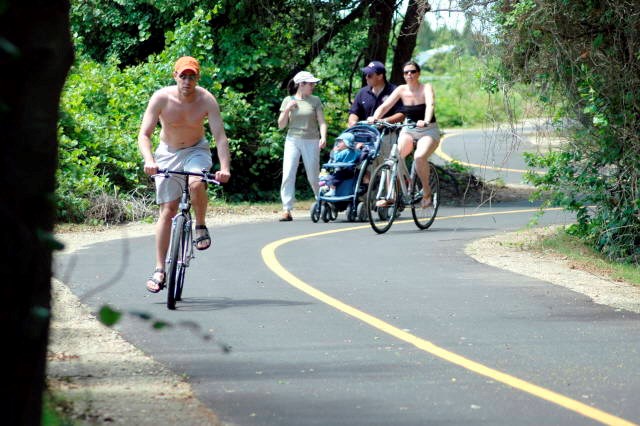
column 400, row 174
column 399, row 171
column 180, row 250
column 184, row 209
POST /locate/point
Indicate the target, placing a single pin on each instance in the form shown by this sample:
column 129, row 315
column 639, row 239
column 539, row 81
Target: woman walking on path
column 302, row 113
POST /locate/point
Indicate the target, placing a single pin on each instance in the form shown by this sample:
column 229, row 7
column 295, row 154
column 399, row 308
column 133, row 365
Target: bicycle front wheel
column 381, row 189
column 424, row 217
column 186, row 249
column 174, row 261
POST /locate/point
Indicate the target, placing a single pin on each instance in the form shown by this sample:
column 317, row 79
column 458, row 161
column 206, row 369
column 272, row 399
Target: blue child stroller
column 350, row 186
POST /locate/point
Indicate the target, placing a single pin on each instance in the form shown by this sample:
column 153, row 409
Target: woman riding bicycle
column 418, row 106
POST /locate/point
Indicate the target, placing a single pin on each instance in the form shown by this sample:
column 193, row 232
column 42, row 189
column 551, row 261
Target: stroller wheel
column 325, row 212
column 361, row 212
column 333, row 211
column 315, row 212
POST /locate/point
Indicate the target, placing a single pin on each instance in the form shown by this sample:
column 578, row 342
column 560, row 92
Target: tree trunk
column 407, row 37
column 35, row 55
column 381, row 15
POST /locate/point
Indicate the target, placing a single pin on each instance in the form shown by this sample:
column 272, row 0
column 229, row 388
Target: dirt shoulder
column 509, row 251
column 109, row 381
column 106, row 379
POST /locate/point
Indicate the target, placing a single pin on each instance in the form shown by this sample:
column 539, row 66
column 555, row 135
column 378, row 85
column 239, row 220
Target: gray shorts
column 419, row 132
column 192, row 159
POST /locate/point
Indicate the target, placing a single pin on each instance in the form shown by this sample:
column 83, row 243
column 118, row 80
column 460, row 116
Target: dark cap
column 374, row 67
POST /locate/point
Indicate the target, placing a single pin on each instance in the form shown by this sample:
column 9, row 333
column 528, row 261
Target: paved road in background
column 332, row 324
column 493, row 155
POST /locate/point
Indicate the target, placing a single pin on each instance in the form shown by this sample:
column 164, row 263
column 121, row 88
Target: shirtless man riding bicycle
column 181, row 110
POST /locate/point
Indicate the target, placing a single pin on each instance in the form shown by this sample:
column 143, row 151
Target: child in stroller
column 345, row 150
column 342, row 179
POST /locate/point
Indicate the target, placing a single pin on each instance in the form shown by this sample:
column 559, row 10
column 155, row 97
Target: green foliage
column 108, row 316
column 241, row 64
column 460, row 96
column 565, row 243
column 246, row 50
column 100, row 110
column 127, row 30
column 468, row 78
column 582, row 58
column 56, row 411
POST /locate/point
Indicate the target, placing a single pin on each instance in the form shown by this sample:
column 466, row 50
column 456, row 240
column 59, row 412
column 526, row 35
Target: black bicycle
column 180, row 250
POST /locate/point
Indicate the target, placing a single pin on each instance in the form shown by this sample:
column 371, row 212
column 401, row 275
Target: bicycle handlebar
column 204, row 174
column 383, row 123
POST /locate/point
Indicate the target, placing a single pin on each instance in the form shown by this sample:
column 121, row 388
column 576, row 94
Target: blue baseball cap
column 374, row 67
column 348, row 139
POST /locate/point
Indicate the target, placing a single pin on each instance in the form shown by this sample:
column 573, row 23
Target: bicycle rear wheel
column 381, row 188
column 174, row 261
column 425, row 217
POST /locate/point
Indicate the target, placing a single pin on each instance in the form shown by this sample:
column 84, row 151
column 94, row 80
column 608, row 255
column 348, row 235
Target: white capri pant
column 294, row 148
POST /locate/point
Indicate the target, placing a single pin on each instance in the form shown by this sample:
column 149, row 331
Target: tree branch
column 318, row 45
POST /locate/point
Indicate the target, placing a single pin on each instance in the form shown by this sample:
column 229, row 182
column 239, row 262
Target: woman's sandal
column 156, row 282
column 385, row 203
column 204, row 237
column 426, row 202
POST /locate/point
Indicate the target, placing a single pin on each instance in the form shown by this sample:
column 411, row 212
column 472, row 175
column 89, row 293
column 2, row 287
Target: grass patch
column 215, row 208
column 585, row 257
column 55, row 411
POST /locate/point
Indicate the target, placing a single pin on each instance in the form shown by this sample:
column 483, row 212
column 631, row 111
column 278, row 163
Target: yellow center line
column 446, row 157
column 269, row 257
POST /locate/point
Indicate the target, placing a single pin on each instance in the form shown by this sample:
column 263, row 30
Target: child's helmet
column 348, row 139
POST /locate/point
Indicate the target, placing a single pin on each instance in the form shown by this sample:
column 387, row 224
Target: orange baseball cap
column 187, row 63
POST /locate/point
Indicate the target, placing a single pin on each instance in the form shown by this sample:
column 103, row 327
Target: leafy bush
column 583, row 58
column 242, row 65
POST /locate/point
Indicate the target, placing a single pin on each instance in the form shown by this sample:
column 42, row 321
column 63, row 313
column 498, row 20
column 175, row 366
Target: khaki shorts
column 192, row 159
column 417, row 133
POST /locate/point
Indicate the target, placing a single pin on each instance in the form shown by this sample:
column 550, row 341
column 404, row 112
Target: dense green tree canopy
column 248, row 51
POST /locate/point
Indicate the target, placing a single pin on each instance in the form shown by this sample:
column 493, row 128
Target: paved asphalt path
column 494, row 155
column 332, row 324
column 298, row 360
